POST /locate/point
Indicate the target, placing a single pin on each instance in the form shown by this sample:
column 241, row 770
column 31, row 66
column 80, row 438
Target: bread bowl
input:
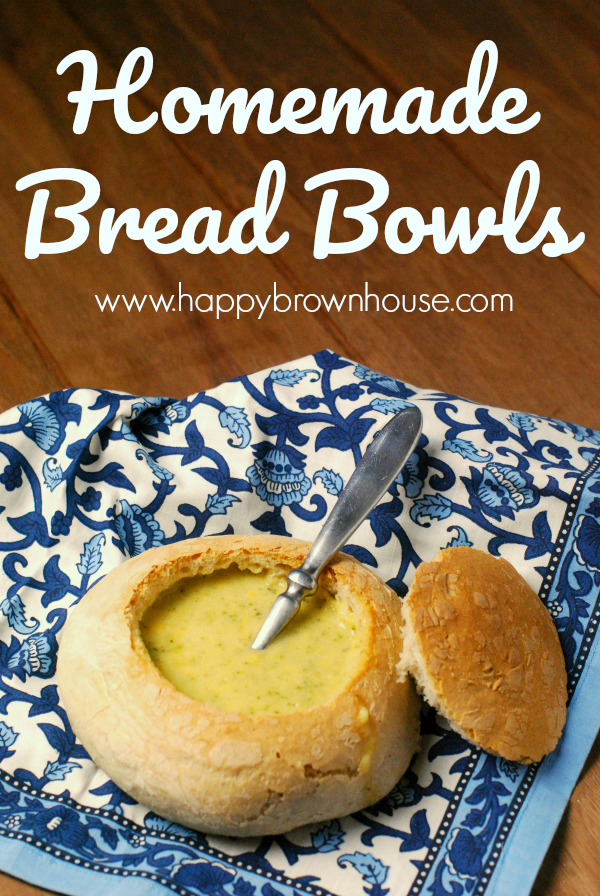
column 222, row 770
column 484, row 652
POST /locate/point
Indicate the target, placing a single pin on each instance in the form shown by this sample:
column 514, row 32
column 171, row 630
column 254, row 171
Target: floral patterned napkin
column 93, row 477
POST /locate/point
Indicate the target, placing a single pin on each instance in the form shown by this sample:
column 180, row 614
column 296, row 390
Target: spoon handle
column 375, row 472
column 377, row 469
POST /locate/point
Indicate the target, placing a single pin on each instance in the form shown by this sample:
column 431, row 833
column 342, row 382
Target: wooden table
column 542, row 357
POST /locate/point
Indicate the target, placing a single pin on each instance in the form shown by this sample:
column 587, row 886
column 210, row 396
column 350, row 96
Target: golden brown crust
column 481, row 642
column 222, row 772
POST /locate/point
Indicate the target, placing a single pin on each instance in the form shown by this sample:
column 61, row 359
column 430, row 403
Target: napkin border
column 23, row 845
column 26, row 863
column 535, row 824
column 565, row 762
column 515, row 873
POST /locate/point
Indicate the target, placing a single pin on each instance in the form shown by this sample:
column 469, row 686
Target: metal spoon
column 377, row 469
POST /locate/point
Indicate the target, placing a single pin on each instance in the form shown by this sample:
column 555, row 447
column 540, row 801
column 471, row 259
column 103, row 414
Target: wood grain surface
column 543, row 357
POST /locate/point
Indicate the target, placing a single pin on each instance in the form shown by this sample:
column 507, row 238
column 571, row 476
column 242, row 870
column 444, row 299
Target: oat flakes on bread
column 226, row 773
column 485, row 653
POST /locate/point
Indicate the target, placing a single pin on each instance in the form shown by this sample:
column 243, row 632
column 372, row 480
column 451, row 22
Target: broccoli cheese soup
column 199, row 634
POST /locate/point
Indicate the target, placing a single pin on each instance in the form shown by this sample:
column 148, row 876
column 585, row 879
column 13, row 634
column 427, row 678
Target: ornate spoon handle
column 380, row 465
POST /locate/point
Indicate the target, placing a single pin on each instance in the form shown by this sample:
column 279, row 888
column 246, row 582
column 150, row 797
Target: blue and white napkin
column 89, row 478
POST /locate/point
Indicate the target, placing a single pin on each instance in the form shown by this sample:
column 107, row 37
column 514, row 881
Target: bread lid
column 485, row 653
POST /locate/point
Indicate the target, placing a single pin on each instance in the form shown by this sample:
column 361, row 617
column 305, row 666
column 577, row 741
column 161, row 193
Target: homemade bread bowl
column 226, row 772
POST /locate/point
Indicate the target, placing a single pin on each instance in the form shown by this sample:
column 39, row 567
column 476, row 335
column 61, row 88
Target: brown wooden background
column 544, row 357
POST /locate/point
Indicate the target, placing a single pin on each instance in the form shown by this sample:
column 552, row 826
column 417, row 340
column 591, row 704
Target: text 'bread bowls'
column 243, row 742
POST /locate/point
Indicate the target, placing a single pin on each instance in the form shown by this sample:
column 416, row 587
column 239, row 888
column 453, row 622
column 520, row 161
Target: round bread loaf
column 485, row 653
column 224, row 772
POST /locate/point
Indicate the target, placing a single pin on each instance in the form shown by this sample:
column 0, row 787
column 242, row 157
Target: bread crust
column 484, row 651
column 225, row 773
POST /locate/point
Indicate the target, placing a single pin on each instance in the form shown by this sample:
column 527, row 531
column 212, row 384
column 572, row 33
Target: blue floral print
column 11, row 477
column 36, row 656
column 90, row 478
column 60, row 825
column 278, row 475
column 136, row 528
column 504, row 489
